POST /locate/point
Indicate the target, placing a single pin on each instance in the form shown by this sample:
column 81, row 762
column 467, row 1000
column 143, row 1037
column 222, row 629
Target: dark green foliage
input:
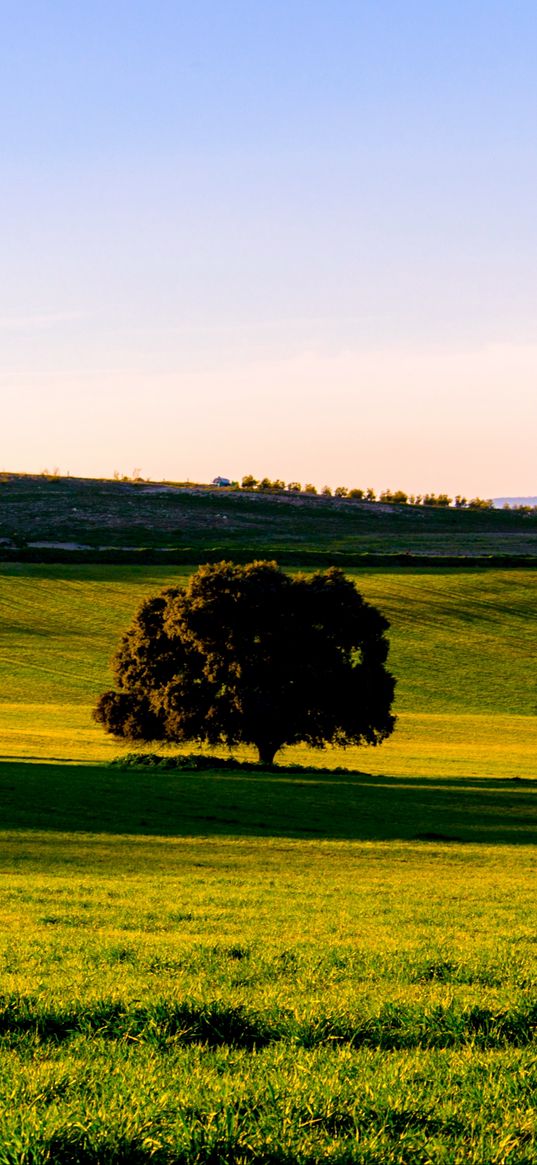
column 481, row 504
column 442, row 500
column 396, row 497
column 248, row 654
column 195, row 762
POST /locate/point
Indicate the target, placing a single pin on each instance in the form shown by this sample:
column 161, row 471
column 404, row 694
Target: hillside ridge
column 50, row 518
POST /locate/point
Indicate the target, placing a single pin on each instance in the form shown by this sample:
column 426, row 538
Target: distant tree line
column 396, row 497
column 520, row 508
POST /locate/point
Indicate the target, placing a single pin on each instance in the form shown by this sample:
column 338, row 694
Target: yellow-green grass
column 463, row 645
column 216, row 998
column 167, row 1002
column 234, row 967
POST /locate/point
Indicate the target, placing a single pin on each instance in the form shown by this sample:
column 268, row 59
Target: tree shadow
column 310, row 804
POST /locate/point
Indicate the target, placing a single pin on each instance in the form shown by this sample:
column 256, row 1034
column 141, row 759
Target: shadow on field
column 315, row 805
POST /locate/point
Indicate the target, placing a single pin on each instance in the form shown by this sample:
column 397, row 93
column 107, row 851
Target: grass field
column 462, row 646
column 281, row 968
column 177, row 990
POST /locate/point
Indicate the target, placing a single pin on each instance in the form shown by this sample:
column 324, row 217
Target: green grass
column 462, row 645
column 234, row 967
column 308, row 804
column 306, row 997
column 278, row 1106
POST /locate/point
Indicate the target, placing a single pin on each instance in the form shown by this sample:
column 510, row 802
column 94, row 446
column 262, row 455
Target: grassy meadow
column 461, row 646
column 221, row 968
column 232, row 966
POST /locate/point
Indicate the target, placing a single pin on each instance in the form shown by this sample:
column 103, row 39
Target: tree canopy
column 249, row 654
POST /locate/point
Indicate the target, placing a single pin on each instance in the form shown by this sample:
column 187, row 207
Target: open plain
column 307, row 966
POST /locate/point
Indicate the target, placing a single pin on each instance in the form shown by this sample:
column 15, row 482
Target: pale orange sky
column 419, row 420
column 295, row 239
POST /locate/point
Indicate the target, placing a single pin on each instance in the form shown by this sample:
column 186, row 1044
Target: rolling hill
column 54, row 519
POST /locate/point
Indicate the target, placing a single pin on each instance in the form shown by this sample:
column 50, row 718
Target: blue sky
column 295, row 239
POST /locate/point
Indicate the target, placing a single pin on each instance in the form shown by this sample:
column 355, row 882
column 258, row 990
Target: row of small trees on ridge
column 388, row 496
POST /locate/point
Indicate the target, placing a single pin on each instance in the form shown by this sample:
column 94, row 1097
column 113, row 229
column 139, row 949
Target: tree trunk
column 267, row 752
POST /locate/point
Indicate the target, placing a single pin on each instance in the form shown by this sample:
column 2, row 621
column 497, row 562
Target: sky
column 292, row 238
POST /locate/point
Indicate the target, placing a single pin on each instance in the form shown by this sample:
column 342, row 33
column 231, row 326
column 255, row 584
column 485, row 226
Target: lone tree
column 248, row 654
